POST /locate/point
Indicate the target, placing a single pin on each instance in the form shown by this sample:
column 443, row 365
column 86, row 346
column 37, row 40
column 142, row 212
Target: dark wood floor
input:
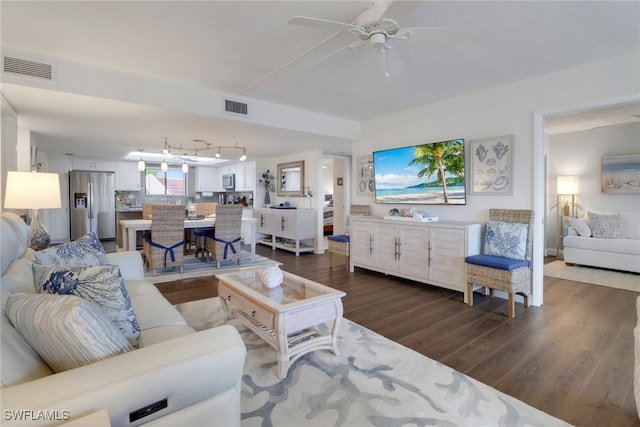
column 572, row 358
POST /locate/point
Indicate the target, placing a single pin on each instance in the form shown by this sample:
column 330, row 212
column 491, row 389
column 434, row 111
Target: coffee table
column 295, row 318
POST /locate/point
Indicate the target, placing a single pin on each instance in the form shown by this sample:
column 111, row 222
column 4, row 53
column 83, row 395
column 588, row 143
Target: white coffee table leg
column 283, row 347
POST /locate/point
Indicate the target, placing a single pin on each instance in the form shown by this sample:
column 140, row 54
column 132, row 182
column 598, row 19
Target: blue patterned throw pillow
column 86, row 250
column 606, row 226
column 506, row 239
column 102, row 285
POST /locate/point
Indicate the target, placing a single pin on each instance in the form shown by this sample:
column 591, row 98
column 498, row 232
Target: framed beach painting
column 620, row 174
column 491, row 166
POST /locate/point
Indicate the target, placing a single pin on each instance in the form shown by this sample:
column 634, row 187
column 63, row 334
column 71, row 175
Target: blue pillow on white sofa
column 102, row 285
column 86, row 250
column 506, row 239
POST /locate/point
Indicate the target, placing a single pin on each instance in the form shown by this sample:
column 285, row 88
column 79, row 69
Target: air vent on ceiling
column 27, row 68
column 235, row 107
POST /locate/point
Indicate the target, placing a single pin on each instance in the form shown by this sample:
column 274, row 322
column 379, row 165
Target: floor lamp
column 566, row 186
column 33, row 190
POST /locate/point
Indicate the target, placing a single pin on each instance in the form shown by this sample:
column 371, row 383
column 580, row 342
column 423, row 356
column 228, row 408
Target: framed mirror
column 290, row 179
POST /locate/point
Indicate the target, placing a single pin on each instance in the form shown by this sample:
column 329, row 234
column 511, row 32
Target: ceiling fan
column 373, row 28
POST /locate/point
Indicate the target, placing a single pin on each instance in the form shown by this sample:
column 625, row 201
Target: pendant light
column 164, row 166
column 141, row 165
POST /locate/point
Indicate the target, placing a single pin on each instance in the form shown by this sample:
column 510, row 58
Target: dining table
column 130, row 228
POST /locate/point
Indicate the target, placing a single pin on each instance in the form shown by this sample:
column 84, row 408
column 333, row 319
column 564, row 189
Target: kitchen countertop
column 129, row 209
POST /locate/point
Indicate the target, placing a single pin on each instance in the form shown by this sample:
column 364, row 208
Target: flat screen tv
column 425, row 174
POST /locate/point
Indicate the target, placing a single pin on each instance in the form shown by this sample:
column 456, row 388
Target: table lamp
column 33, row 190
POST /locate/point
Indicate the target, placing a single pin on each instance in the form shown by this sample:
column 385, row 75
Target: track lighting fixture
column 206, row 147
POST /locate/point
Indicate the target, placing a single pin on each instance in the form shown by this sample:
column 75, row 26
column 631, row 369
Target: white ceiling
column 247, row 48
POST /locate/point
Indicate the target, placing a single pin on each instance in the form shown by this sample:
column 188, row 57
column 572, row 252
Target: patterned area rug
column 194, row 267
column 595, row 276
column 374, row 382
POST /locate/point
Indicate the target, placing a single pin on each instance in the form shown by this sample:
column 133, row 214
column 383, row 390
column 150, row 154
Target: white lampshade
column 164, row 166
column 32, row 190
column 185, row 168
column 567, row 185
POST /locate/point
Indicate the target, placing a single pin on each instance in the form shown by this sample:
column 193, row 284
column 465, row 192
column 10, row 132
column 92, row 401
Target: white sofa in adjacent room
column 178, row 377
column 604, row 239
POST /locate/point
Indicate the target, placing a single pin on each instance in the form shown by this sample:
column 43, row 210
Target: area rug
column 194, row 267
column 373, row 382
column 594, row 276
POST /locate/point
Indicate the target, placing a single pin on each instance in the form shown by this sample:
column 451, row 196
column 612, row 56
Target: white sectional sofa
column 618, row 253
column 198, row 373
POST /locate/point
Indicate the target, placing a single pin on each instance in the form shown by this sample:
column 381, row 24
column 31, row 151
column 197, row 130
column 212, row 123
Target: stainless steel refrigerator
column 92, row 204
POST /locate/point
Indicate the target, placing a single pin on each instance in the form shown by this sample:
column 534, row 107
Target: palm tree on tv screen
column 440, row 158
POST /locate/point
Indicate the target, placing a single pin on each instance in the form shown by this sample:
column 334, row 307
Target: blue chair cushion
column 206, row 232
column 498, row 262
column 339, row 238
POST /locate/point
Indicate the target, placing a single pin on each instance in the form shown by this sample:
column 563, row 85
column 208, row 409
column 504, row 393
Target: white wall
column 507, row 109
column 502, row 110
column 579, row 154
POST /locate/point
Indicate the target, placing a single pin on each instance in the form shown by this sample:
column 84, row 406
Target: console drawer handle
column 228, row 297
column 253, row 313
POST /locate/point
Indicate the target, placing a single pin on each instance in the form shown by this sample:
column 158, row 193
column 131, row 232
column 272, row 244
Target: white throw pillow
column 66, row 331
column 506, row 239
column 606, row 226
column 100, row 284
column 581, row 226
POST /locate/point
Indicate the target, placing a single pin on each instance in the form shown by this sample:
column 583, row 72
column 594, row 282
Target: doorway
column 540, row 178
column 336, row 195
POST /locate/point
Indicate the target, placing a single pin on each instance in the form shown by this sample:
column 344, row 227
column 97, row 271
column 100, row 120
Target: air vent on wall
column 235, row 107
column 27, row 68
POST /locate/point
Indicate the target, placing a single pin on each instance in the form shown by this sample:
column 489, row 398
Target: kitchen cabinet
column 208, row 179
column 92, row 165
column 127, row 177
column 245, row 176
column 288, row 229
column 428, row 252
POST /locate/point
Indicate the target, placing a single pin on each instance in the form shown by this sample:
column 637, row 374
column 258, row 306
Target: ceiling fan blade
column 398, row 10
column 437, row 34
column 323, row 23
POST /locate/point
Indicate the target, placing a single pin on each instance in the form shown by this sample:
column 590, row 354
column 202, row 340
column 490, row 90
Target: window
column 173, row 182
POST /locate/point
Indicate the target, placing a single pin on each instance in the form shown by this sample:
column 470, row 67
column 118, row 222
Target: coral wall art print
column 492, row 166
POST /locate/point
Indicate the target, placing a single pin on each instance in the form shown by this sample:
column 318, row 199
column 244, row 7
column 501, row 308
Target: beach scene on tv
column 429, row 174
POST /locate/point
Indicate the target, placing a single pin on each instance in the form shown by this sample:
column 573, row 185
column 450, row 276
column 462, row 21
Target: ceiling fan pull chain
column 386, row 74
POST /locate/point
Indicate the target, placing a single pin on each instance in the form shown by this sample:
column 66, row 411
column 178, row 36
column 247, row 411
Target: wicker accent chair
column 339, row 243
column 147, row 212
column 163, row 246
column 204, row 209
column 226, row 241
column 504, row 274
